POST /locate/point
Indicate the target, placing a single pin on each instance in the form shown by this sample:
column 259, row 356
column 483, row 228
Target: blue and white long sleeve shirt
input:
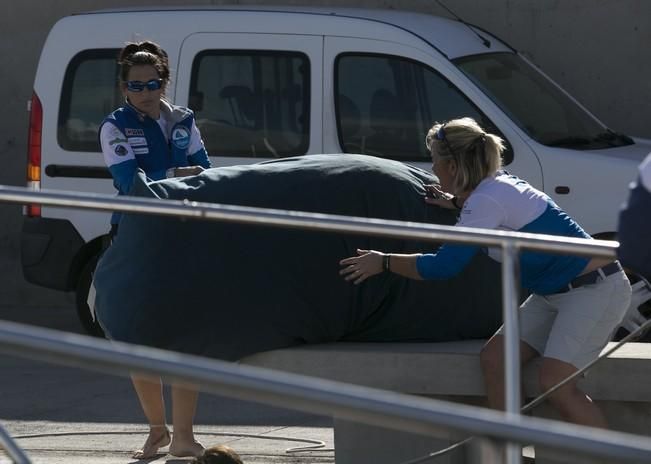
column 505, row 202
column 132, row 140
column 634, row 232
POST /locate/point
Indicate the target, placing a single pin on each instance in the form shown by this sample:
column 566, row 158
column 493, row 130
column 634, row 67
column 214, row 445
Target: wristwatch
column 171, row 172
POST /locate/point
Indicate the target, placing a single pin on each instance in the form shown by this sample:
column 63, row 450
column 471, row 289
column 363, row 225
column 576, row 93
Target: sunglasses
column 139, row 86
column 440, row 135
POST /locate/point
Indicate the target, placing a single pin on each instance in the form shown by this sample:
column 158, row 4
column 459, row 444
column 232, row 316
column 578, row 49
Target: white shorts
column 575, row 326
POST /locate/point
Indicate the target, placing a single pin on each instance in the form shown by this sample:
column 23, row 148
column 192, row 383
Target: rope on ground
column 313, row 445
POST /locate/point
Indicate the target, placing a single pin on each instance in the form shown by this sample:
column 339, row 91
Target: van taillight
column 34, row 152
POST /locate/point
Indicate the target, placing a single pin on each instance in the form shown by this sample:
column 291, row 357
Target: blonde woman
column 575, row 302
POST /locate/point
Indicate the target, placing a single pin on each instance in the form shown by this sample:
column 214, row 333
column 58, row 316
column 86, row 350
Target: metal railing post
column 16, row 454
column 510, row 298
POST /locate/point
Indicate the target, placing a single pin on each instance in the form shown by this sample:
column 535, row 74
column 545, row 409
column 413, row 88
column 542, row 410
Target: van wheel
column 83, row 310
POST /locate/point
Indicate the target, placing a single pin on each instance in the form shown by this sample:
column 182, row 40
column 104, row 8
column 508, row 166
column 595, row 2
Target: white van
column 273, row 82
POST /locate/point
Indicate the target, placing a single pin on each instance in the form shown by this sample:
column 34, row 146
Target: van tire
column 83, row 310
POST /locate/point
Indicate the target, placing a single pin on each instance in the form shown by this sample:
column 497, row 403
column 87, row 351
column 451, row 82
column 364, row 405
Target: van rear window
column 252, row 103
column 90, row 92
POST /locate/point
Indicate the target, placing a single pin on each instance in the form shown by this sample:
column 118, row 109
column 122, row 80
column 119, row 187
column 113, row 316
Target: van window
column 386, row 104
column 252, row 103
column 536, row 104
column 90, row 92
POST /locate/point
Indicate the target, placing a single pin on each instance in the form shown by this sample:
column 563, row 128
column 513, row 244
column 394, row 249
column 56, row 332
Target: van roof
column 452, row 38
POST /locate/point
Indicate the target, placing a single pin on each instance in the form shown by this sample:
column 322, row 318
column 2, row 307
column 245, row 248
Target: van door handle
column 562, row 189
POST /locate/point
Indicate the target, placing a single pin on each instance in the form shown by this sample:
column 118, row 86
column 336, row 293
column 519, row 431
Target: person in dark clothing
column 634, row 232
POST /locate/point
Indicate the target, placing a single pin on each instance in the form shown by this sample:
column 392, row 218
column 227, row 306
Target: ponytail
column 143, row 53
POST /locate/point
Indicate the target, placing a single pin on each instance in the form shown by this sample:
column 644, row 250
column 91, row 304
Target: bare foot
column 158, row 437
column 182, row 449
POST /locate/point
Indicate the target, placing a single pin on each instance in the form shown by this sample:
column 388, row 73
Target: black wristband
column 386, row 262
column 454, row 202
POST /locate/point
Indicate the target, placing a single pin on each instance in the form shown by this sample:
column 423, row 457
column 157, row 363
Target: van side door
column 384, row 96
column 255, row 96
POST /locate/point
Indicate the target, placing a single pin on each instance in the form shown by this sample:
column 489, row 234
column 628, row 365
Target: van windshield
column 536, row 104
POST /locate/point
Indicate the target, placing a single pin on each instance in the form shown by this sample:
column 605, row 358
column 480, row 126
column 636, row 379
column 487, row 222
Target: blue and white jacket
column 634, row 233
column 132, row 140
column 507, row 203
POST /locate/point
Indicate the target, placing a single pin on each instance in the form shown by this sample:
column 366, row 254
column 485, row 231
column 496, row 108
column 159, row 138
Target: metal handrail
column 313, row 221
column 396, row 411
column 12, row 449
column 510, row 242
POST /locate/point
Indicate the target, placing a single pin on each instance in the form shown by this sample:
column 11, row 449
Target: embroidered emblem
column 181, row 137
column 134, row 132
column 121, row 150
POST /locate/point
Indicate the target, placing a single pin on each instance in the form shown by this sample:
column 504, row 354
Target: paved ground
column 65, row 415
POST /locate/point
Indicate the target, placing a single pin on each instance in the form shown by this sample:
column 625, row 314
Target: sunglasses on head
column 440, row 135
column 139, row 86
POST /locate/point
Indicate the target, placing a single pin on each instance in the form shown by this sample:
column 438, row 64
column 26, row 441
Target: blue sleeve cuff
column 123, row 175
column 200, row 158
column 447, row 262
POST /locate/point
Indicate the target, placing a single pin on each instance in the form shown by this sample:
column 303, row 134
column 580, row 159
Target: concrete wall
column 597, row 49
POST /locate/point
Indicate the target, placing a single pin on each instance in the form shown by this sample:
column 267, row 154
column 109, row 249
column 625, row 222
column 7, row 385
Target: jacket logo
column 134, row 132
column 181, row 137
column 121, row 150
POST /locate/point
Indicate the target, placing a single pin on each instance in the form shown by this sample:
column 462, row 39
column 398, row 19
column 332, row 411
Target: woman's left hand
column 436, row 196
column 361, row 267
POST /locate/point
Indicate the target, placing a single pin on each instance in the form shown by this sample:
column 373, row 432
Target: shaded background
column 598, row 50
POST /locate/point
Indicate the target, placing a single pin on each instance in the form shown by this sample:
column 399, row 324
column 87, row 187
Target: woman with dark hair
column 576, row 302
column 163, row 140
column 147, row 132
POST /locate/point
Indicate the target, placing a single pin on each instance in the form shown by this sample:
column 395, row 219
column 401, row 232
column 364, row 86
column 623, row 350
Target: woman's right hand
column 188, row 171
column 361, row 267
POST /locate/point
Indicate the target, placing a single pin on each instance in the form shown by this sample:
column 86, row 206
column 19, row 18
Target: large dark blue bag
column 229, row 290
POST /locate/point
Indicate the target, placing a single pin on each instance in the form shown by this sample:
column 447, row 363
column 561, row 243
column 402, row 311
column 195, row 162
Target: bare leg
column 184, row 404
column 492, row 365
column 573, row 405
column 150, row 394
